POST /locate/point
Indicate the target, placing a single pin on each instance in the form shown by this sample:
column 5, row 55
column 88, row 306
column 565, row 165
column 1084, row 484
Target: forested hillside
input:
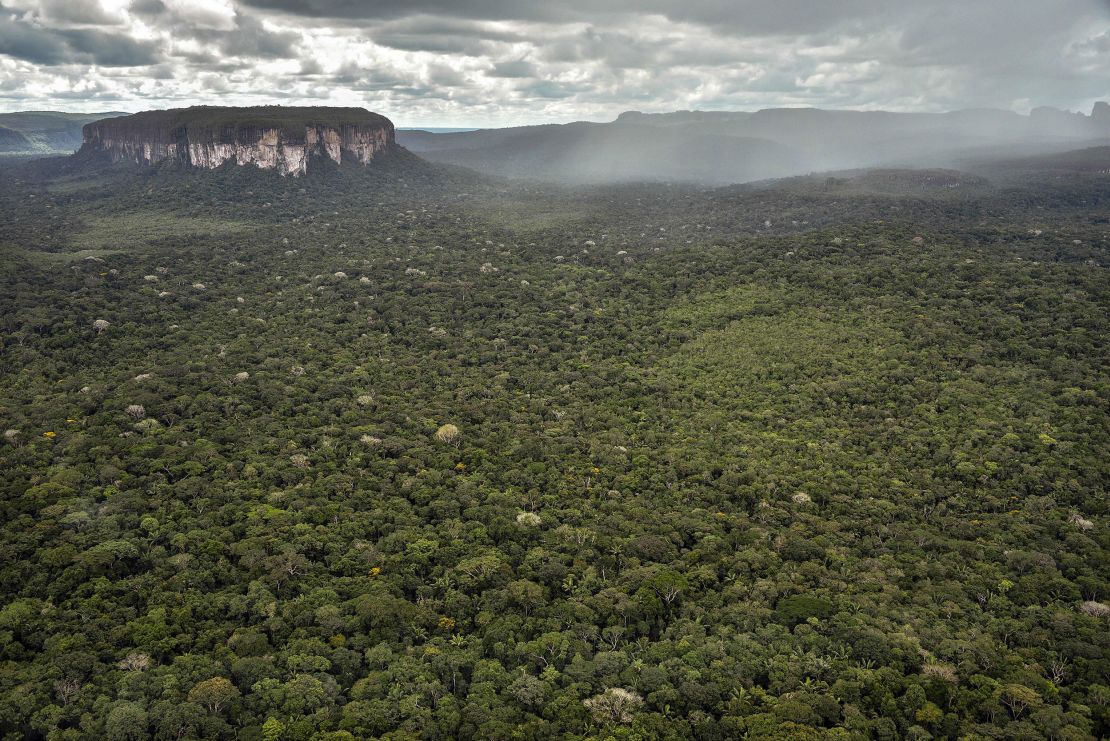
column 403, row 453
column 39, row 133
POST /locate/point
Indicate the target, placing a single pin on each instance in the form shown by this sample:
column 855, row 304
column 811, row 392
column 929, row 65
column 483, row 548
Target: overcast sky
column 505, row 62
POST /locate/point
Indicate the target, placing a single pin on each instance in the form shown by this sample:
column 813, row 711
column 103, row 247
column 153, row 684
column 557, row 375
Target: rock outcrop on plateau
column 279, row 138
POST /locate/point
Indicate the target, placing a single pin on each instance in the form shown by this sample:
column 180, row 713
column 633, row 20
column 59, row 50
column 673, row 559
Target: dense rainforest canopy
column 402, row 453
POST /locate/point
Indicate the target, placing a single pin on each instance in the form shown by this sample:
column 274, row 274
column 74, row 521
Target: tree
column 529, row 691
column 799, row 608
column 215, row 693
column 127, row 721
column 272, row 729
column 173, row 719
column 449, row 434
column 1018, row 698
column 929, row 714
column 614, row 705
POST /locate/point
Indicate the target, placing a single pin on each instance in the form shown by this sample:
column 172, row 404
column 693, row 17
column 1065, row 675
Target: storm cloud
column 502, row 62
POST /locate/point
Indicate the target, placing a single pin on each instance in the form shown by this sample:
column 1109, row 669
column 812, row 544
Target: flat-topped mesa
column 270, row 137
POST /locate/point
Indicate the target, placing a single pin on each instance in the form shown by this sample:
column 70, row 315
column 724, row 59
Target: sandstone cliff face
column 271, row 138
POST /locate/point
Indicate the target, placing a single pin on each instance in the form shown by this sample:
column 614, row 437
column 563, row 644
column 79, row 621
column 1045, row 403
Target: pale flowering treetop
column 1095, row 609
column 449, row 434
column 528, row 519
column 614, row 705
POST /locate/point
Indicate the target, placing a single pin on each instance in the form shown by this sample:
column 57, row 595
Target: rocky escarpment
column 279, row 138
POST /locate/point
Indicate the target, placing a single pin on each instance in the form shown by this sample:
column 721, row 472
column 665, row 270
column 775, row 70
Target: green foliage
column 702, row 478
column 215, row 694
column 798, row 609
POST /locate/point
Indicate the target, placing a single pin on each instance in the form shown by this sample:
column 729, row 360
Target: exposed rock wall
column 271, row 138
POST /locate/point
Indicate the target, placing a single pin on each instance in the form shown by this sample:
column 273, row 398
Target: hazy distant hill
column 594, row 153
column 1088, row 160
column 44, row 132
column 726, row 147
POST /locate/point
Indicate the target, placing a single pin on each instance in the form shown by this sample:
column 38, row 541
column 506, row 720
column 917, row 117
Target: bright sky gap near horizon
column 465, row 63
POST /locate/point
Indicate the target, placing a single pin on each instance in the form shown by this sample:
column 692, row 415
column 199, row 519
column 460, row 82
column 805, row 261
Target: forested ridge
column 403, row 453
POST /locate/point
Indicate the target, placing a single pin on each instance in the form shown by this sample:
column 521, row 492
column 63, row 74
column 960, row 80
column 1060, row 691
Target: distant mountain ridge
column 726, row 147
column 711, row 147
column 44, row 132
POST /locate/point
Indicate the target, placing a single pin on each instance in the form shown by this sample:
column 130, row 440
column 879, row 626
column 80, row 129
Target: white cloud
column 500, row 62
column 210, row 14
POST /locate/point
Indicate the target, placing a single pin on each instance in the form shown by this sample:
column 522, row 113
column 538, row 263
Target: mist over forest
column 726, row 147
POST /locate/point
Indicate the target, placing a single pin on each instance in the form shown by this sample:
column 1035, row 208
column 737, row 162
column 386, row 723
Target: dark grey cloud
column 148, row 8
column 252, row 39
column 32, row 43
column 425, row 25
column 445, row 76
column 109, row 49
column 448, row 36
column 490, row 62
column 24, row 41
column 514, row 68
column 436, row 43
column 786, row 17
column 378, row 9
column 752, row 16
